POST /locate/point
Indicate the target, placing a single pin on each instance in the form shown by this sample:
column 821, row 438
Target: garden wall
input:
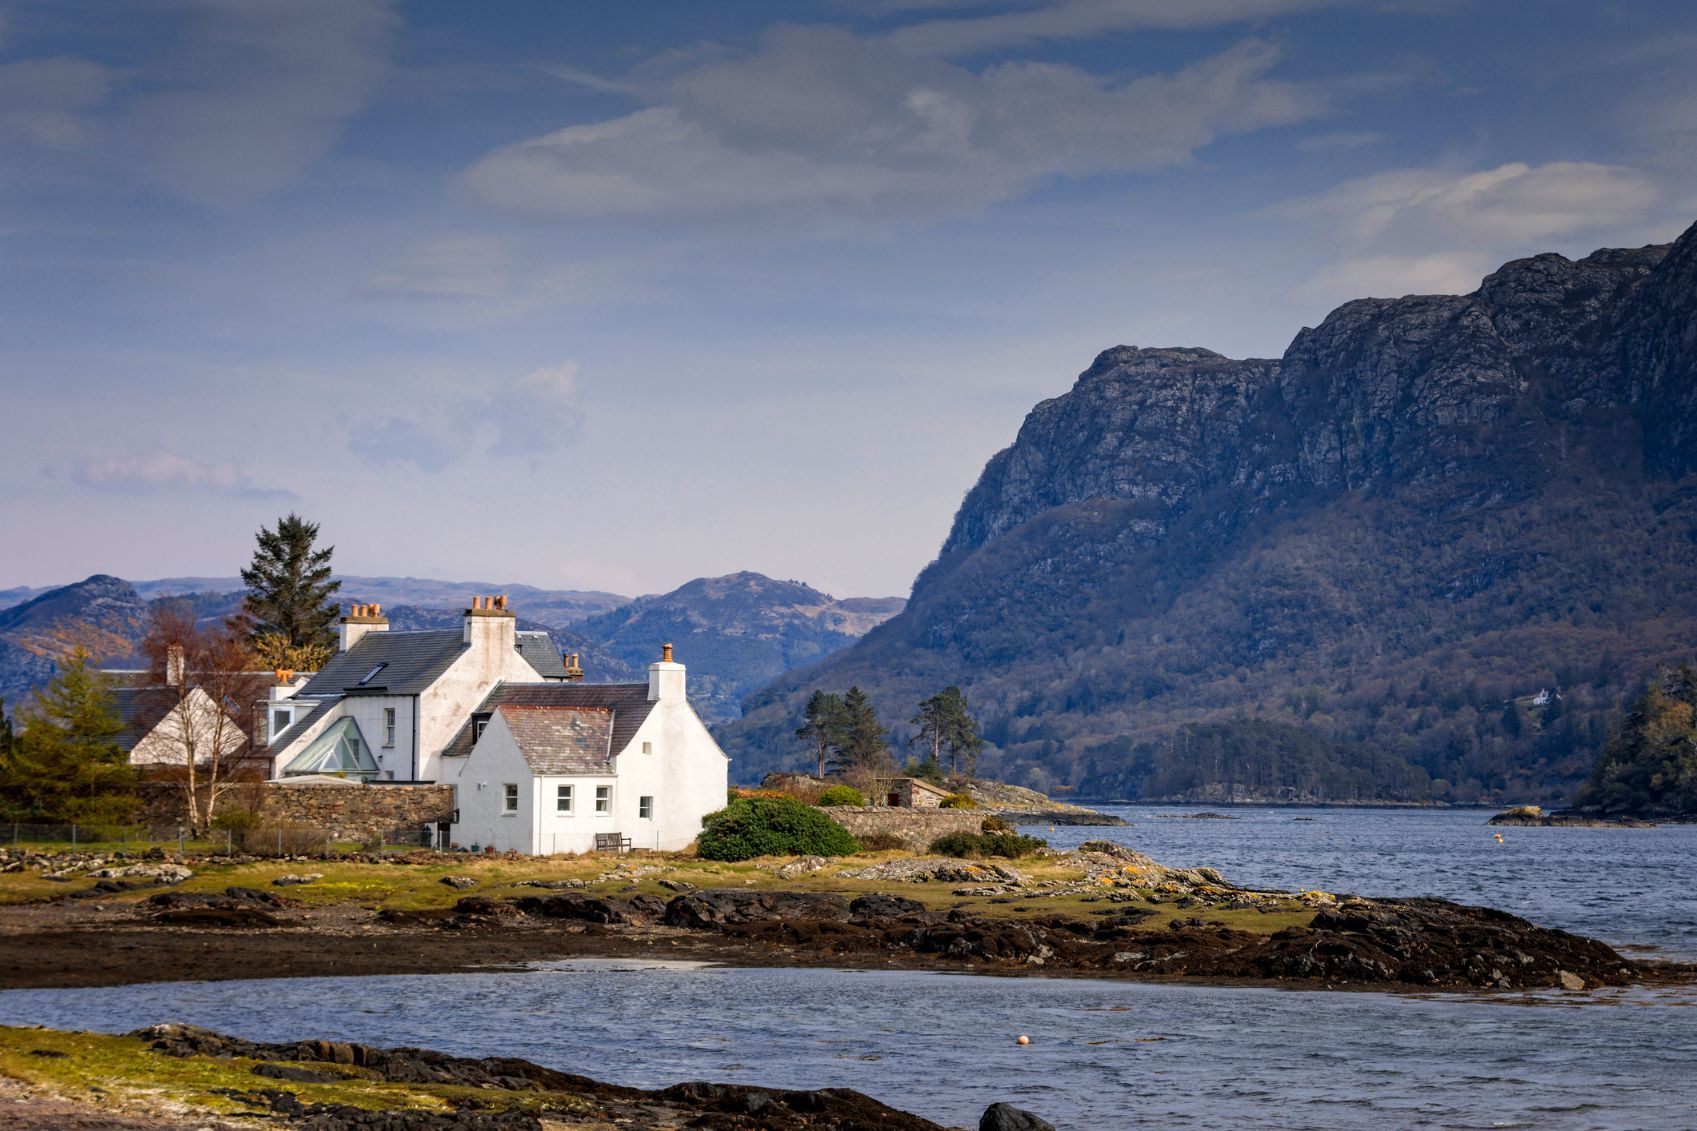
column 916, row 827
column 396, row 813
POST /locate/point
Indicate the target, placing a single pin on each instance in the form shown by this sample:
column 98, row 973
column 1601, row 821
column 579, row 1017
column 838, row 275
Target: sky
column 590, row 294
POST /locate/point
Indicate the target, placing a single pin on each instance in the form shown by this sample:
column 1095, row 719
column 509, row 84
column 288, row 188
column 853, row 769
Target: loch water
column 1104, row 1054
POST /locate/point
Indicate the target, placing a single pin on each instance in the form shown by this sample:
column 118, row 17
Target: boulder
column 717, row 907
column 292, row 880
column 460, row 883
column 1006, row 1117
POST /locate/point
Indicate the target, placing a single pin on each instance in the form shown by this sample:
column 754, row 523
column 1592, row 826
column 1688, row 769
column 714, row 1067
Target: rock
column 1570, row 981
column 715, row 907
column 880, row 906
column 1006, row 1117
column 677, row 885
column 801, row 867
column 303, row 878
column 460, row 883
column 554, row 885
column 937, row 869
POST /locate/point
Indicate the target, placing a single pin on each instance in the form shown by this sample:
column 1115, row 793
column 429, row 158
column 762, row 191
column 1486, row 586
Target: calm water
column 1105, row 1054
column 1636, row 887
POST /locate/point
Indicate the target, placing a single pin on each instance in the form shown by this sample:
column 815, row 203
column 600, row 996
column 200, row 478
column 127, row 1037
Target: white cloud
column 533, row 416
column 160, row 470
column 1391, row 276
column 1076, row 19
column 1340, row 139
column 449, row 267
column 1501, row 207
column 45, row 101
column 820, row 120
column 253, row 94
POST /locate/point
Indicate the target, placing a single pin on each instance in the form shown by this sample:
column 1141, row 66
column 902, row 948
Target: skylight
column 368, row 675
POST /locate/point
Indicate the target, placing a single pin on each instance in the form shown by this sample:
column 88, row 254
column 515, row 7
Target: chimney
column 666, row 678
column 174, row 665
column 489, row 624
column 360, row 620
column 574, row 669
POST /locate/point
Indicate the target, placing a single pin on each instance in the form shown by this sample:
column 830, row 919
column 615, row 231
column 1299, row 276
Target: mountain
column 599, row 665
column 102, row 614
column 1343, row 573
column 555, row 608
column 736, row 633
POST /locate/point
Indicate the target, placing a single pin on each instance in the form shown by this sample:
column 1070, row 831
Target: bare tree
column 204, row 693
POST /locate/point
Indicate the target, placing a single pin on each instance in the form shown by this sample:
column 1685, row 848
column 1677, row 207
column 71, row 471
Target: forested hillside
column 1341, row 574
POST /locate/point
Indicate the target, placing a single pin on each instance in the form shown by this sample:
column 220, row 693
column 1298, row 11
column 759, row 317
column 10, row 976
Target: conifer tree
column 863, row 744
column 291, row 595
column 946, row 724
column 66, row 765
column 823, row 725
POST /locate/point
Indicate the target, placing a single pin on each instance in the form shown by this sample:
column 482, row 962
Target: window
column 645, row 808
column 563, row 799
column 603, row 799
column 478, row 722
column 370, row 674
column 648, row 748
column 510, row 797
column 388, row 726
column 280, row 721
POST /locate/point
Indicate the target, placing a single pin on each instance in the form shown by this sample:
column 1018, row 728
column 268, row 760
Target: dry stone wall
column 917, row 828
column 396, row 813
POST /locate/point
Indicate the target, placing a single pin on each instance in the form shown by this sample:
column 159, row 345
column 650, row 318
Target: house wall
column 478, row 780
column 448, row 703
column 395, row 761
column 164, row 745
column 686, row 774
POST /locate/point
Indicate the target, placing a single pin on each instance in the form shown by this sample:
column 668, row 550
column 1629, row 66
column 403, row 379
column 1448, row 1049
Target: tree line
column 61, row 759
column 848, row 739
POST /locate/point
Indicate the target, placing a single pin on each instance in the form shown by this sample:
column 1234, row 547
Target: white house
column 544, row 768
column 161, row 724
column 386, row 704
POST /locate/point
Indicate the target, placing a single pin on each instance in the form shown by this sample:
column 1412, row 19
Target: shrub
column 880, row 842
column 995, row 825
column 841, row 795
column 771, row 826
column 959, row 801
column 974, row 845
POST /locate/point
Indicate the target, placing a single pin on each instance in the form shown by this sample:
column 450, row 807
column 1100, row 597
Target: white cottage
column 545, row 768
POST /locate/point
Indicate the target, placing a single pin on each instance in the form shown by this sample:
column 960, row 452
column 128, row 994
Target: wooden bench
column 612, row 842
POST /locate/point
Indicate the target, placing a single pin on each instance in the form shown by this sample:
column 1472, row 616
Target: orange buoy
column 1023, row 1040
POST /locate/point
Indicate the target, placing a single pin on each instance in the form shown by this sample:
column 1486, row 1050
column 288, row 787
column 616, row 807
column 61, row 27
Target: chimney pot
column 665, row 653
column 377, row 610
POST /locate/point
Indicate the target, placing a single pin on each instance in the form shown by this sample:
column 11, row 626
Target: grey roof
column 140, row 709
column 541, row 653
column 302, row 722
column 561, row 740
column 628, row 702
column 412, row 661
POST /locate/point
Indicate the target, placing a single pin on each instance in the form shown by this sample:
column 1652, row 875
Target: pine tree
column 945, row 723
column 823, row 725
column 66, row 765
column 863, row 744
column 290, row 601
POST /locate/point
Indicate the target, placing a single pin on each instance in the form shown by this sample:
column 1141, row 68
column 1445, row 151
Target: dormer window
column 370, row 675
column 478, row 723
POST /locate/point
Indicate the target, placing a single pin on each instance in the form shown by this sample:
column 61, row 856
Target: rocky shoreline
column 1117, row 914
column 1533, row 816
column 343, row 1086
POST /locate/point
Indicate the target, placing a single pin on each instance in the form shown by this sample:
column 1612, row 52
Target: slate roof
column 412, row 661
column 302, row 722
column 628, row 703
column 541, row 653
column 561, row 740
column 140, row 709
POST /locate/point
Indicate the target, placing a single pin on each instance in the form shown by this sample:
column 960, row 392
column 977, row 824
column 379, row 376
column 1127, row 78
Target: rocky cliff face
column 1424, row 503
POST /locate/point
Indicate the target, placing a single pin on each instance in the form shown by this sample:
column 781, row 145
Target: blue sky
column 602, row 295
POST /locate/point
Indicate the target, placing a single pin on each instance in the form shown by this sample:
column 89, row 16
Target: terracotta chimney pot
column 665, row 653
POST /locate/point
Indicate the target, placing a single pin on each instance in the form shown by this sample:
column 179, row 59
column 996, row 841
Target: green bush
column 975, row 845
column 959, row 801
column 880, row 842
column 771, row 826
column 841, row 795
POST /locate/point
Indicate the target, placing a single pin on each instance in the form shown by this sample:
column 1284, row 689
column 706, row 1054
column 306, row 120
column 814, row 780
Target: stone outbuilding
column 913, row 793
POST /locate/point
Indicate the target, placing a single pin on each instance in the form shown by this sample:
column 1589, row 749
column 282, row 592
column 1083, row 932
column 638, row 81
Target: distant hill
column 1333, row 575
column 753, row 626
column 555, row 608
column 736, row 633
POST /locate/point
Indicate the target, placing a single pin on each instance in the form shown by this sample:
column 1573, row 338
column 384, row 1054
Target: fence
column 264, row 840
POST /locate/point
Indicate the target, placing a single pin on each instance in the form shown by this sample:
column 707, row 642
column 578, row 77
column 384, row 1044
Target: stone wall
column 397, row 813
column 916, row 827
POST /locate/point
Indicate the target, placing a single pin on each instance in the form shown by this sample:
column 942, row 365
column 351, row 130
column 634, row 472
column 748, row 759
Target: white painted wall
column 193, row 720
column 479, row 781
column 449, row 702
